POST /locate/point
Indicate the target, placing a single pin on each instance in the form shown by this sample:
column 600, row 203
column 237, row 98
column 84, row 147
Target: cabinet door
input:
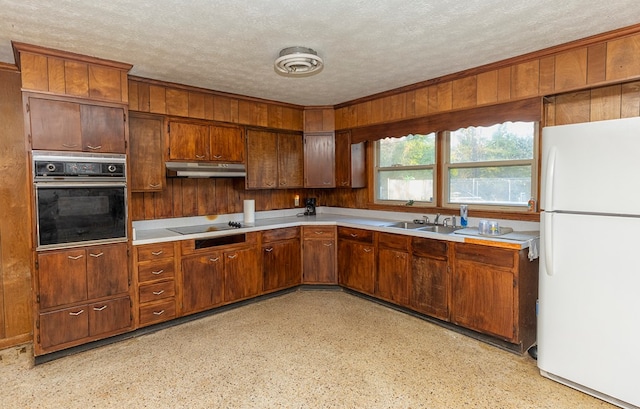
column 290, row 160
column 484, row 288
column 146, row 153
column 188, row 141
column 203, row 282
column 102, row 129
column 242, row 275
column 350, row 162
column 319, row 260
column 356, row 265
column 109, row 316
column 429, row 277
column 393, row 267
column 55, row 125
column 63, row 326
column 319, row 160
column 107, row 270
column 227, row 143
column 262, row 159
column 62, row 277
column 281, row 264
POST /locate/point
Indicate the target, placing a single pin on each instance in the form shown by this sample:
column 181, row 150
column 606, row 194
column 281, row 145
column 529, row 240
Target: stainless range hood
column 205, row 170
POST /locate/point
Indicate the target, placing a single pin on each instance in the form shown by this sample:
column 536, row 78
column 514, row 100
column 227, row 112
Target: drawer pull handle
column 154, row 185
column 200, row 156
column 353, row 235
column 269, row 250
column 94, row 148
column 328, row 244
column 367, row 250
column 318, row 232
column 70, row 145
column 232, row 255
column 158, row 312
column 104, row 307
column 75, row 314
column 214, row 259
column 157, row 272
column 217, row 156
column 158, row 292
column 96, row 255
column 75, row 258
column 156, row 253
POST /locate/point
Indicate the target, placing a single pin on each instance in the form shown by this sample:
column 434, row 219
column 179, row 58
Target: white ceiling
column 368, row 46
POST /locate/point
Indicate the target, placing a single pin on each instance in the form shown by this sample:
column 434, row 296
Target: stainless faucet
column 426, row 219
column 435, row 221
column 446, row 220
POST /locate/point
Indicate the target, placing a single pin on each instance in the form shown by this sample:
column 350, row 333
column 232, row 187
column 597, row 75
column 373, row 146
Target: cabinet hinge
column 38, row 338
column 37, row 298
column 515, row 283
column 37, row 324
column 124, row 117
column 37, row 264
column 28, row 107
column 169, row 128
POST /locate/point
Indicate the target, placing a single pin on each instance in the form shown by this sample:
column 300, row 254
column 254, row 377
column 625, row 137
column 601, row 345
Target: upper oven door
column 71, row 214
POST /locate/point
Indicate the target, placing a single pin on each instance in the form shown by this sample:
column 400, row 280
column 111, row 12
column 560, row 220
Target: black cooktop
column 206, row 228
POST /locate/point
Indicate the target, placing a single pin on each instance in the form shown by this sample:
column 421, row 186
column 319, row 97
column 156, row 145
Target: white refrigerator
column 589, row 293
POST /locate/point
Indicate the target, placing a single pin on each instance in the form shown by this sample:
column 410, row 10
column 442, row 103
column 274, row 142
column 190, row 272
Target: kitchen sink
column 439, row 229
column 406, row 225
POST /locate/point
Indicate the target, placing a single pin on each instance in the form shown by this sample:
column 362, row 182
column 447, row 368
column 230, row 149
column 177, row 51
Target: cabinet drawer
column 157, row 312
column 280, row 234
column 155, row 270
column 429, row 248
column 394, row 241
column 486, row 255
column 155, row 251
column 157, row 291
column 364, row 236
column 319, row 232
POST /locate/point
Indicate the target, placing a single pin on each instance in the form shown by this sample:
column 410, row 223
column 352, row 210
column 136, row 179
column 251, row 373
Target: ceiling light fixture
column 298, row 61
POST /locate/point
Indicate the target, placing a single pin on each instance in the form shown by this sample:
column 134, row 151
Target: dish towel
column 534, row 244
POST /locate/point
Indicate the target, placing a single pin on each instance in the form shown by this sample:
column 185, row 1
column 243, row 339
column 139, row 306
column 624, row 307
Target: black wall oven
column 80, row 198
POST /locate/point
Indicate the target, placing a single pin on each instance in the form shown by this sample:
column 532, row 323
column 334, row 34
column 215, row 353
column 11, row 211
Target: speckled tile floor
column 306, row 349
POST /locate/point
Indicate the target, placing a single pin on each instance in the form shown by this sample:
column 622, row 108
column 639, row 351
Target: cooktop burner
column 206, row 228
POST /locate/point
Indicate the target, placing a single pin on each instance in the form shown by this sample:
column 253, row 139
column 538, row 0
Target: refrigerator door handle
column 550, row 176
column 548, row 243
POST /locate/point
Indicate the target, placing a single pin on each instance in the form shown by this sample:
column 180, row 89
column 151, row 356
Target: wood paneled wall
column 177, row 100
column 15, row 227
column 610, row 58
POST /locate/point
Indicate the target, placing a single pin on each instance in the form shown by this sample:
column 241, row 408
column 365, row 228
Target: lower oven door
column 80, row 213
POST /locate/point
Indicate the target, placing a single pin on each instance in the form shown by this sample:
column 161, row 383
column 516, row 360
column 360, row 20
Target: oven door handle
column 56, row 184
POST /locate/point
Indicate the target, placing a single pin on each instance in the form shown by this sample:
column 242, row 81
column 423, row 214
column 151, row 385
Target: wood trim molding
column 35, row 49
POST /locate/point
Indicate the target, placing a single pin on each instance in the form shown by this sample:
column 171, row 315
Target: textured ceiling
column 368, row 46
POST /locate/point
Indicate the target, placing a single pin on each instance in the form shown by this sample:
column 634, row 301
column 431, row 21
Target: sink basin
column 440, row 229
column 405, row 225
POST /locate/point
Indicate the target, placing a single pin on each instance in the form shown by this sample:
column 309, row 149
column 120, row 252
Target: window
column 491, row 166
column 405, row 169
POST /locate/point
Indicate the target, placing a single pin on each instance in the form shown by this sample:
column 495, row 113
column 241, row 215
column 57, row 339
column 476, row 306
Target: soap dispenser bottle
column 463, row 216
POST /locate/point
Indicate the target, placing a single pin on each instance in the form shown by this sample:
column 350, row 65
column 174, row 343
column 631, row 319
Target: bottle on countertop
column 531, row 205
column 463, row 216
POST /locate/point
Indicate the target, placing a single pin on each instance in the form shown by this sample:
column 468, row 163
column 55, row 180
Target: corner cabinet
column 84, row 290
column 66, row 124
column 146, row 153
column 319, row 160
column 350, row 162
column 494, row 292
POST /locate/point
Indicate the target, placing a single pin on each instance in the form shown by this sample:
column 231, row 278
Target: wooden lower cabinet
column 495, row 291
column 319, row 255
column 430, row 277
column 155, row 283
column 202, row 282
column 242, row 274
column 82, row 295
column 392, row 280
column 356, row 259
column 281, row 258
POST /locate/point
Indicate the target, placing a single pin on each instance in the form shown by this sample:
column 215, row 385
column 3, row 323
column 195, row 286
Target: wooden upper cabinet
column 319, row 160
column 64, row 73
column 290, row 160
column 227, row 143
column 188, row 141
column 274, row 160
column 146, row 153
column 350, row 162
column 319, row 119
column 67, row 125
